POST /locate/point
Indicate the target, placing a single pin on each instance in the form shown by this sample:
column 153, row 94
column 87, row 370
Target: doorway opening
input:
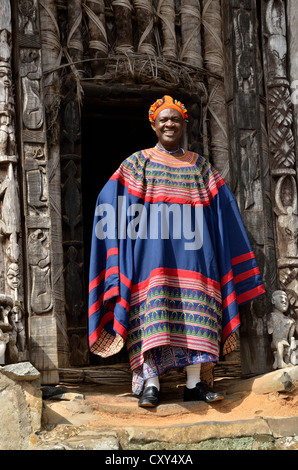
column 110, row 133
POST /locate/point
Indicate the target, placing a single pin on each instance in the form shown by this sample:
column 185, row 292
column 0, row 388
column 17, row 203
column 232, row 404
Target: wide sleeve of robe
column 240, row 276
column 109, row 288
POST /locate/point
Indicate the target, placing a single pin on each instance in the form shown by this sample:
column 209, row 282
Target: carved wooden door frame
column 52, row 234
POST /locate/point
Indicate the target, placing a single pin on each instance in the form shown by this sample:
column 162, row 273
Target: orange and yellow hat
column 164, row 103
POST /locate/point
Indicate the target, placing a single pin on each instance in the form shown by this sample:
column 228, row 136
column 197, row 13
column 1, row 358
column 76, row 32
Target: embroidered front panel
column 175, row 310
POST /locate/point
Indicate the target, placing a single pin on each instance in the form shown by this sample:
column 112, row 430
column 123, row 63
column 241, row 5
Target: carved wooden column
column 73, row 241
column 12, row 313
column 72, row 216
column 52, row 55
column 38, row 231
column 250, row 180
column 283, row 162
column 292, row 39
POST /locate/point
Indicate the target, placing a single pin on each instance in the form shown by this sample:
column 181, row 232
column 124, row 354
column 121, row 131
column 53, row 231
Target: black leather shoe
column 201, row 393
column 150, row 397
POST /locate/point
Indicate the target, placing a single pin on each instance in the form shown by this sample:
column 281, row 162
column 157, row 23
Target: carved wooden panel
column 250, row 179
column 70, row 20
column 35, row 191
column 51, row 59
column 12, row 315
column 72, row 217
column 282, row 145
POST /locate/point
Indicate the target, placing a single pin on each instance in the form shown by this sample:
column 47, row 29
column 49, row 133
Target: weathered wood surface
column 74, row 37
column 112, row 35
column 145, row 22
column 123, row 22
column 12, row 319
column 37, row 232
column 282, row 129
column 98, row 42
column 219, row 151
column 166, row 13
column 51, row 56
column 191, row 51
column 250, row 180
column 72, row 219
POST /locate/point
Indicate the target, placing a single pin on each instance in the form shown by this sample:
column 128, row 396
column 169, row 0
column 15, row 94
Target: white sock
column 193, row 374
column 152, row 382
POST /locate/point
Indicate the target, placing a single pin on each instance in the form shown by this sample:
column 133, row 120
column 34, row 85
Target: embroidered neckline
column 158, row 156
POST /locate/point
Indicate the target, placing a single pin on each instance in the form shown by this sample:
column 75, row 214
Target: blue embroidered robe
column 170, row 258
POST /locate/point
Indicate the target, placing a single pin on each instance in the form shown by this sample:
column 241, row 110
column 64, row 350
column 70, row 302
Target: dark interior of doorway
column 110, row 133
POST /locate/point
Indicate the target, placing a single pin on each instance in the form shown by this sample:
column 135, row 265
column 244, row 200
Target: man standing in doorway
column 170, row 262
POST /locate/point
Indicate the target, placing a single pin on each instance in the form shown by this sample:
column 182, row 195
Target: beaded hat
column 165, row 103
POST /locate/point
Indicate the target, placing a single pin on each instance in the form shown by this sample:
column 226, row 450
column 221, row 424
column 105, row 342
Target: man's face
column 169, row 126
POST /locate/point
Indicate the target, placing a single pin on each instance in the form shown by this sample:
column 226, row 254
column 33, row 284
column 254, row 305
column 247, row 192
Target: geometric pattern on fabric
column 177, row 308
column 159, row 360
column 168, row 180
column 107, row 344
column 150, row 292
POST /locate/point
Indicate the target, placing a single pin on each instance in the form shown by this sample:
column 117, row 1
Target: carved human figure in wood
column 287, row 211
column 12, row 350
column 16, row 319
column 282, row 329
column 294, row 352
column 250, row 167
column 13, row 279
column 244, row 39
column 7, row 137
column 30, row 71
column 5, row 326
column 12, row 331
column 36, row 178
column 10, row 222
column 4, row 338
column 17, row 334
column 277, row 43
column 4, row 311
column 10, row 219
column 28, row 17
column 41, row 292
